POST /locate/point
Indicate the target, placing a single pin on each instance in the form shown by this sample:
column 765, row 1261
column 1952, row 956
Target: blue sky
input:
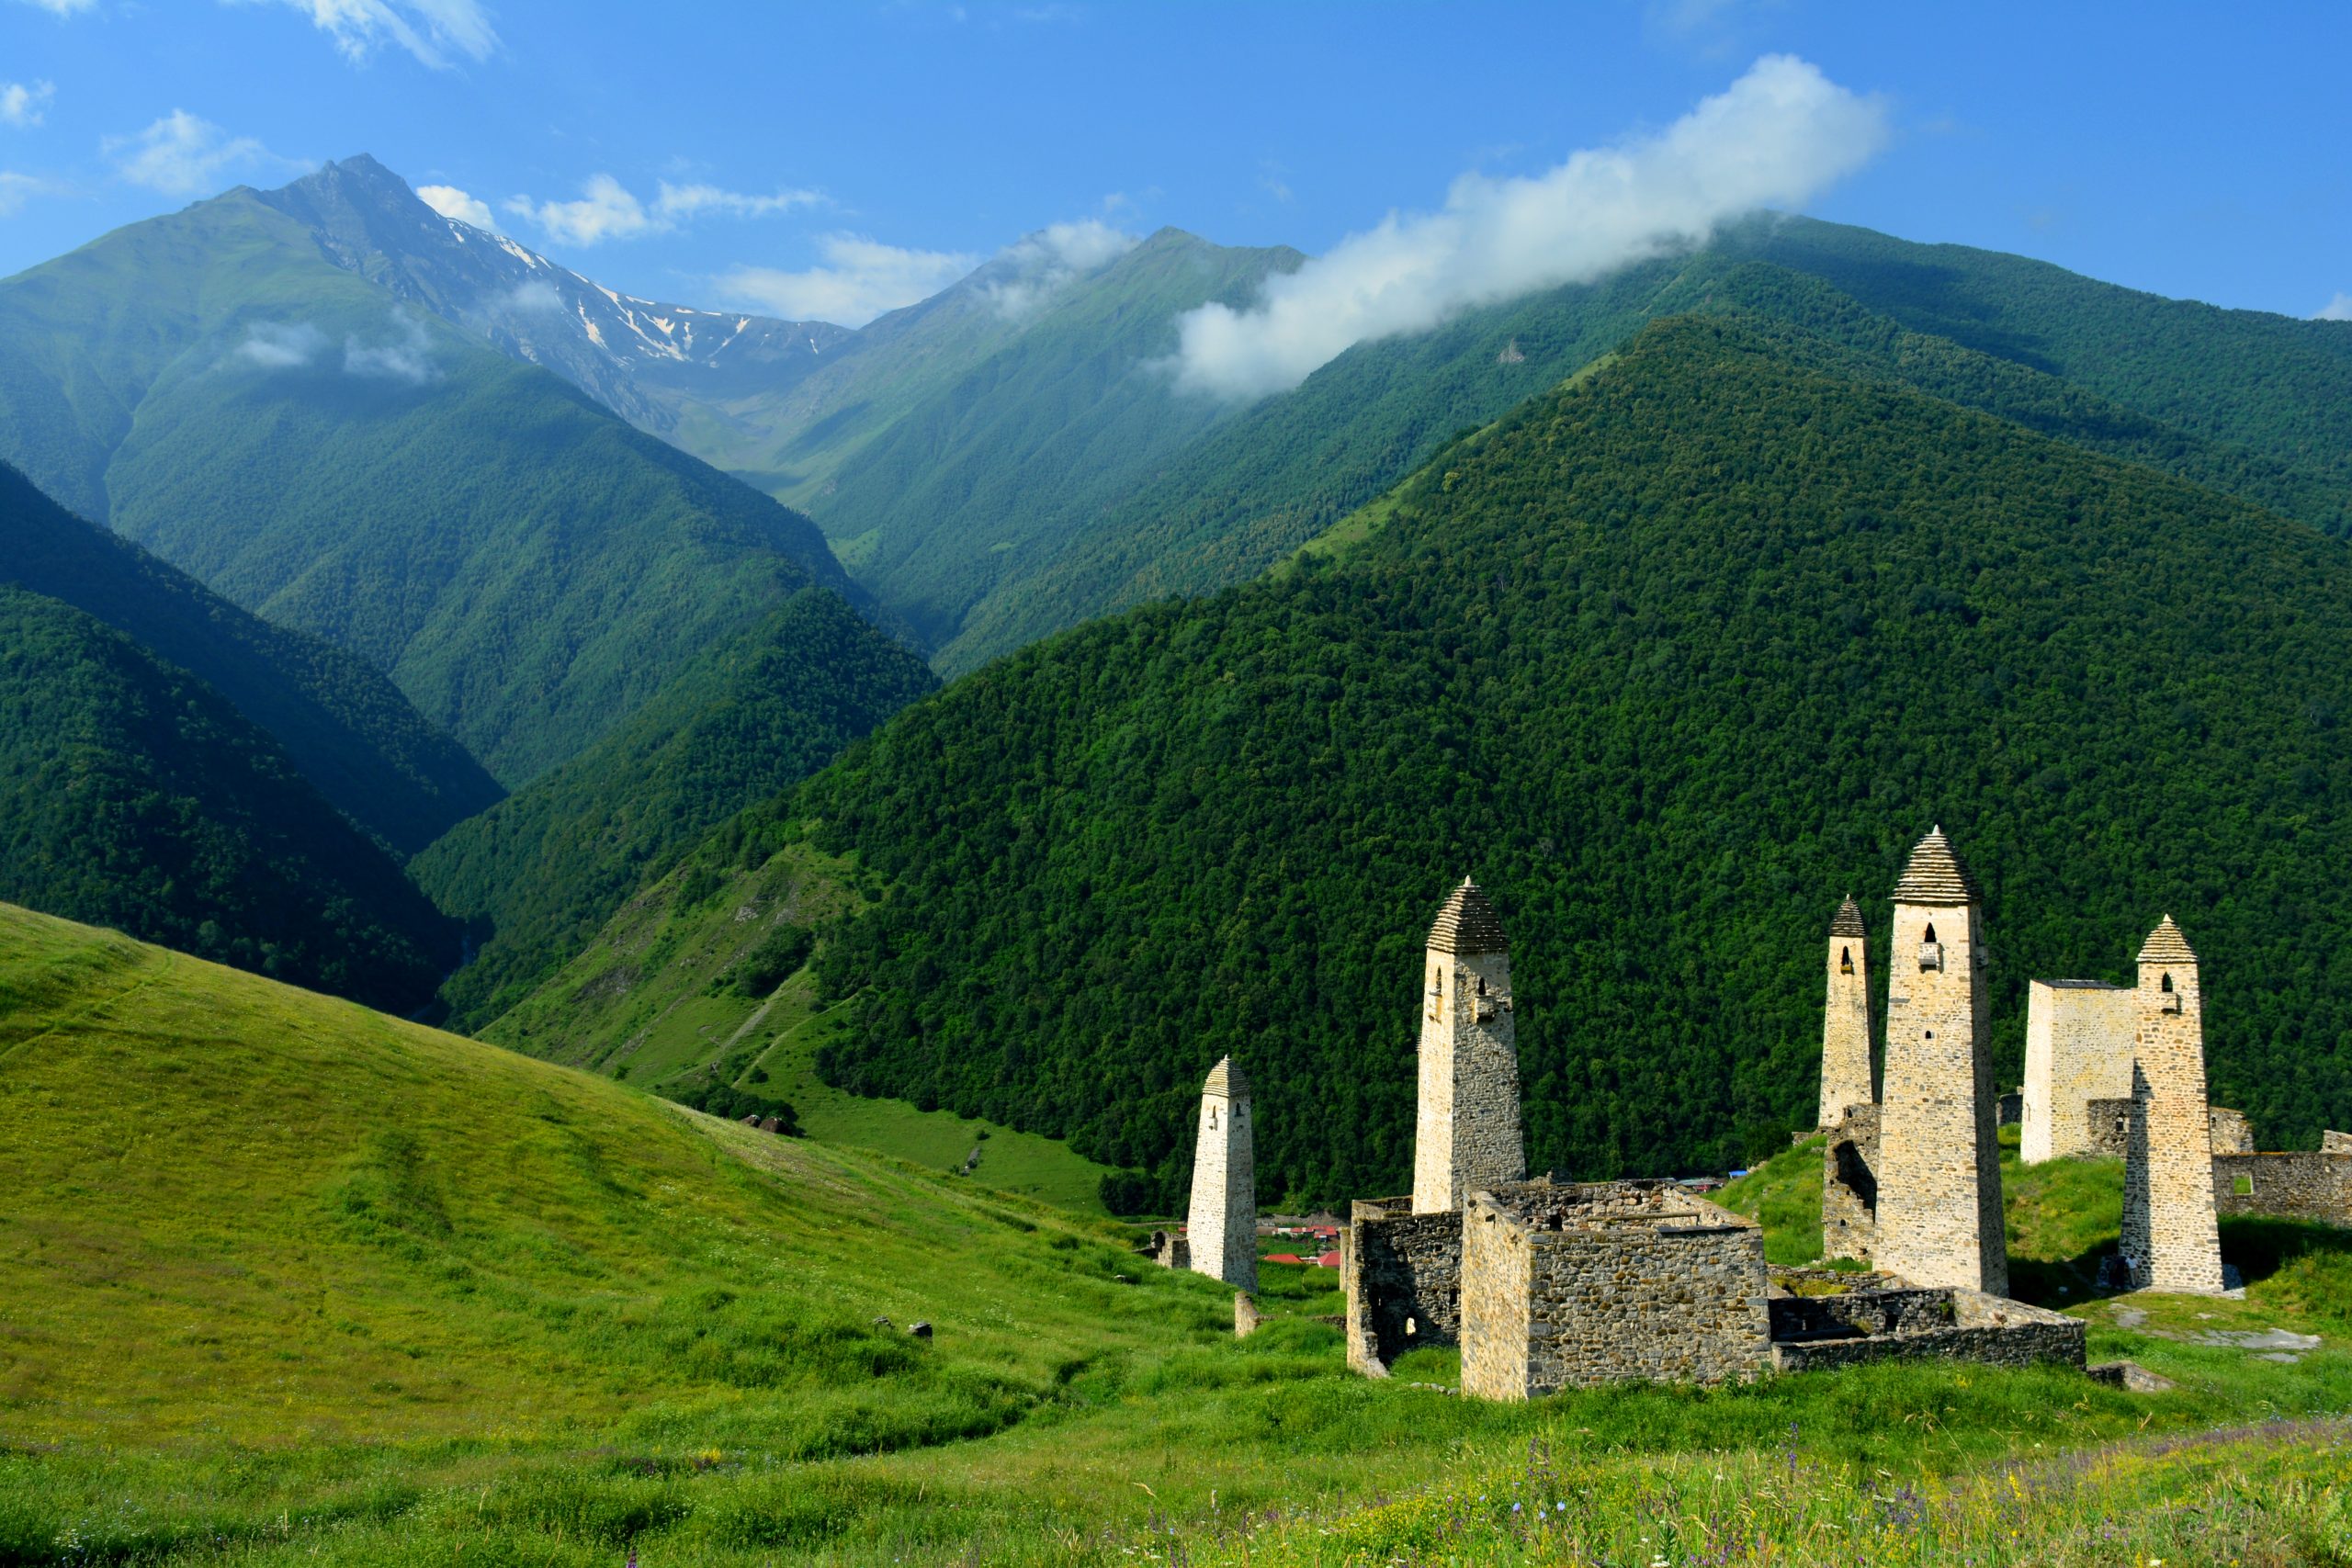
column 849, row 156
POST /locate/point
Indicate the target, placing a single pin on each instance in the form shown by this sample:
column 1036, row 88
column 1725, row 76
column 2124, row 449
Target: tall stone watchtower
column 1939, row 1169
column 1221, row 1225
column 2170, row 1240
column 1846, row 1024
column 1467, row 1135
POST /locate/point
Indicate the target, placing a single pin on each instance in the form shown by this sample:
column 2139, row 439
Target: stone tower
column 1846, row 1025
column 1467, row 1135
column 1939, row 1168
column 2170, row 1241
column 1222, row 1222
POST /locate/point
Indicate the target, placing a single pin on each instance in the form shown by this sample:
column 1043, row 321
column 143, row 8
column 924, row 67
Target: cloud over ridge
column 1782, row 133
column 860, row 278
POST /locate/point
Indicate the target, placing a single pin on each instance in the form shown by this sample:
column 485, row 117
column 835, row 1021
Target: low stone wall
column 1170, row 1250
column 2287, row 1186
column 1859, row 1314
column 1402, row 1272
column 1971, row 1325
column 2332, row 1144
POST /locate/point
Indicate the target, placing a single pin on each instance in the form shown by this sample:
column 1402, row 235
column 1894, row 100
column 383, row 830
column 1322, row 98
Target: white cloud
column 1780, row 134
column 183, row 155
column 2336, row 309
column 409, row 358
column 862, row 279
column 432, row 31
column 281, row 345
column 1055, row 256
column 25, row 105
column 16, row 189
column 535, row 297
column 451, row 202
column 609, row 211
column 62, row 7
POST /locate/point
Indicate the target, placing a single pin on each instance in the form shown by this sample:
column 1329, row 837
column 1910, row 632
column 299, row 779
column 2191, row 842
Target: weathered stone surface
column 1245, row 1319
column 1846, row 1075
column 1940, row 1173
column 2130, row 1376
column 1221, row 1225
column 2233, row 1134
column 1466, row 1131
column 2078, row 1039
column 2293, row 1186
column 1568, row 1286
column 2330, row 1143
column 1951, row 1324
column 1402, row 1273
column 1850, row 1184
column 2170, row 1239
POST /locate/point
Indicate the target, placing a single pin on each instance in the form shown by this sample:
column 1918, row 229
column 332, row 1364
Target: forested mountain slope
column 526, row 567
column 346, row 727
column 1670, row 660
column 2258, row 405
column 132, row 794
column 545, row 868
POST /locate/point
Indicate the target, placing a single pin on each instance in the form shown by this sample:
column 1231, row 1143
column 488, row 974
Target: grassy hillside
column 495, row 1311
column 540, row 872
column 2245, row 403
column 133, row 794
column 527, row 567
column 345, row 725
column 1670, row 660
column 703, row 980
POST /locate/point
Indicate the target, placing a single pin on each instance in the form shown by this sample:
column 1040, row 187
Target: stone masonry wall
column 1613, row 1296
column 2110, row 1127
column 1850, row 1184
column 2290, row 1185
column 2078, row 1036
column 1939, row 1218
column 1846, row 1076
column 1466, row 1134
column 1221, row 1225
column 2233, row 1134
column 1984, row 1328
column 2329, row 1143
column 1399, row 1269
column 2170, row 1239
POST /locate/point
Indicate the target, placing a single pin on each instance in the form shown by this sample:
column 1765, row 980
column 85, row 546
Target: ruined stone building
column 2170, row 1239
column 1547, row 1285
column 1221, row 1225
column 1938, row 1173
column 1466, row 1133
column 1846, row 1076
column 2078, row 1036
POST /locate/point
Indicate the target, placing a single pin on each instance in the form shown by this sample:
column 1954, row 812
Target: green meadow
column 285, row 1281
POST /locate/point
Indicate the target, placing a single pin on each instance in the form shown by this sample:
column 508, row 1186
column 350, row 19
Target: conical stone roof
column 2166, row 945
column 1936, row 876
column 1226, row 1081
column 1468, row 924
column 1848, row 919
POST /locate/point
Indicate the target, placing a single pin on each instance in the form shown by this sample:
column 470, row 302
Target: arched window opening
column 1212, row 1118
column 1482, row 985
column 2167, row 985
column 1931, row 932
column 1844, row 960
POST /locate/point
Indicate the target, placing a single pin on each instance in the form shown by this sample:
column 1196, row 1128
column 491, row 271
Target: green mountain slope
column 993, row 470
column 527, row 567
column 1669, row 660
column 2252, row 404
column 544, row 869
column 345, row 725
column 134, row 795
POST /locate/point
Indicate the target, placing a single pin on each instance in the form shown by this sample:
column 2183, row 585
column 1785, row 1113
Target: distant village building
column 1939, row 1218
column 1221, row 1227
